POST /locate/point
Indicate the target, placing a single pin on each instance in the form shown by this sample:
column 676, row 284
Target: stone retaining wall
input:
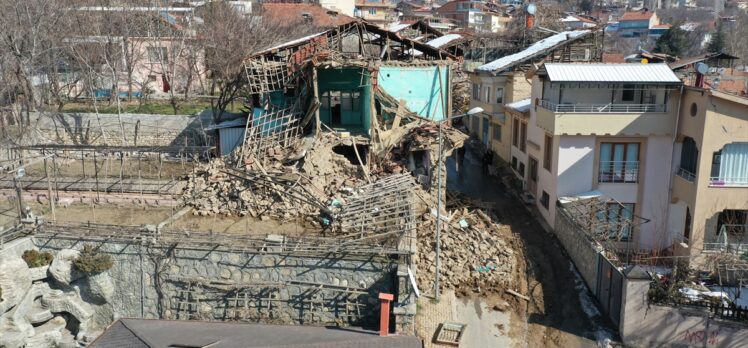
column 183, row 283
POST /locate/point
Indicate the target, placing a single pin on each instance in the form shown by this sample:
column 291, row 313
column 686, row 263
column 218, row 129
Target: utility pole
column 437, row 262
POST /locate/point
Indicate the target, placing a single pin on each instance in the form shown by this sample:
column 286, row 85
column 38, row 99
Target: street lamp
column 472, row 111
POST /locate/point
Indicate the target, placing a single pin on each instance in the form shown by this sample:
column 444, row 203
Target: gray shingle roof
column 142, row 333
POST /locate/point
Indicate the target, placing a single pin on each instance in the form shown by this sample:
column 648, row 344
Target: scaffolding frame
column 383, row 211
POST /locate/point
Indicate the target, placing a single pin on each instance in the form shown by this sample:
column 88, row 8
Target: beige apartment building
column 606, row 131
column 501, row 86
column 709, row 204
column 376, row 11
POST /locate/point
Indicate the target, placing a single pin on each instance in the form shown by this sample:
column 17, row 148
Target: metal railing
column 603, row 108
column 728, row 181
column 618, row 171
column 685, row 174
column 732, row 238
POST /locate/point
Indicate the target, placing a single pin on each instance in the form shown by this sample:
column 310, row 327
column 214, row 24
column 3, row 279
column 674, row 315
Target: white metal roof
column 440, row 41
column 443, row 40
column 538, row 47
column 397, row 26
column 624, row 72
column 521, row 106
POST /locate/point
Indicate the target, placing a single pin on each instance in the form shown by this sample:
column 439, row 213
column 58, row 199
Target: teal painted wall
column 346, row 80
column 419, row 87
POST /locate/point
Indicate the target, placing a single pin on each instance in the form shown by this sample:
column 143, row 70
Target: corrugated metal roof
column 521, row 106
column 543, row 46
column 633, row 73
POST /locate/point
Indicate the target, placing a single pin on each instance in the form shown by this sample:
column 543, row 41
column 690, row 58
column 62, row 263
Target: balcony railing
column 603, row 108
column 618, row 171
column 722, row 181
column 732, row 238
column 685, row 174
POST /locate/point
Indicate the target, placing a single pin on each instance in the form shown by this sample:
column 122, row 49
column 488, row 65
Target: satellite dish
column 702, row 68
column 531, row 9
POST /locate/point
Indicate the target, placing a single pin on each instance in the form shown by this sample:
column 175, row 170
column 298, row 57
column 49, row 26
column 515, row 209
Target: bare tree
column 228, row 39
column 27, row 37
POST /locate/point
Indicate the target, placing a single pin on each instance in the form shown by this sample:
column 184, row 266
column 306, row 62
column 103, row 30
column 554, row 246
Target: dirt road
column 558, row 314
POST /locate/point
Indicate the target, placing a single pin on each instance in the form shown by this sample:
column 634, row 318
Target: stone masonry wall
column 182, row 283
column 139, row 129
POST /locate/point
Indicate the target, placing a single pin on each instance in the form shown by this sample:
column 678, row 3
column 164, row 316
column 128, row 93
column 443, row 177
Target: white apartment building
column 604, row 128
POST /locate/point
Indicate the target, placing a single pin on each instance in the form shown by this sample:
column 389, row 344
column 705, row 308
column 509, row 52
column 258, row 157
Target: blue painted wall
column 419, row 87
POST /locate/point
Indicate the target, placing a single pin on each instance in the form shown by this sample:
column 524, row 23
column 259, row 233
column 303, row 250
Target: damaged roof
column 541, row 47
column 290, row 14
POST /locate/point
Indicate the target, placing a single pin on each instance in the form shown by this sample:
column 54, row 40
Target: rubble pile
column 213, row 191
column 460, row 92
column 475, row 255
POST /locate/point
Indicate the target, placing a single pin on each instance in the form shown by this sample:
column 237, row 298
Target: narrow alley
column 560, row 312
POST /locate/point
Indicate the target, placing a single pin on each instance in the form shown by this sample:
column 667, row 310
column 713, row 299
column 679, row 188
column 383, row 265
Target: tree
column 672, row 42
column 717, row 42
column 228, row 38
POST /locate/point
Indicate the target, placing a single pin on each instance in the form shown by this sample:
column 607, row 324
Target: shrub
column 92, row 261
column 35, row 259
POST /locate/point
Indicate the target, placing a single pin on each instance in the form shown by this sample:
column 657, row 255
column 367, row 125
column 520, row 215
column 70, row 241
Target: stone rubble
column 474, row 254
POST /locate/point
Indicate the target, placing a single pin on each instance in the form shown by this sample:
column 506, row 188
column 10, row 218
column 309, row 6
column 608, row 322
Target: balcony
column 603, row 108
column 618, row 172
column 732, row 238
column 686, row 174
column 605, row 119
column 719, row 181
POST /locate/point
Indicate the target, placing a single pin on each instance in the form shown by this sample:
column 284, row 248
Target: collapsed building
column 327, row 187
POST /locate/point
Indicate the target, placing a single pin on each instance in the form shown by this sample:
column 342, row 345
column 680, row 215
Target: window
column 689, row 156
column 500, row 95
column 151, row 78
column 716, row 159
column 547, row 152
column 694, row 109
column 486, row 94
column 616, row 221
column 497, row 132
column 521, row 169
column 523, row 136
column 545, row 200
column 729, row 166
column 628, row 93
column 533, row 170
column 619, row 162
column 476, row 91
column 157, row 55
column 515, row 132
column 514, row 162
column 372, row 11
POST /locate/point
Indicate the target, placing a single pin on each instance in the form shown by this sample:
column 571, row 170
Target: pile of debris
column 475, row 253
column 217, row 189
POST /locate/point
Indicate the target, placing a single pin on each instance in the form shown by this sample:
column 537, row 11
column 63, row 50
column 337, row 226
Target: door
column 532, row 176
